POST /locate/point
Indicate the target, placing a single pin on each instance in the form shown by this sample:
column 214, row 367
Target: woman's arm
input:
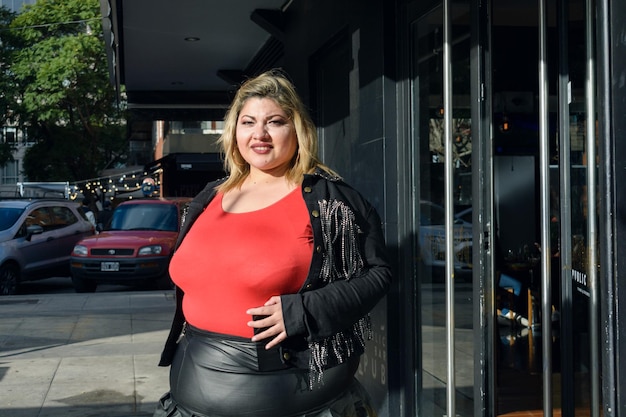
column 323, row 311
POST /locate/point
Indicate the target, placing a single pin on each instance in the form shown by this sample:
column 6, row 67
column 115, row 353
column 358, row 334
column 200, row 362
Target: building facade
column 15, row 5
column 11, row 174
column 509, row 111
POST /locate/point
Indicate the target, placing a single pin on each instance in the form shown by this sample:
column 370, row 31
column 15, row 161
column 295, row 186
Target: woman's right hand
column 271, row 321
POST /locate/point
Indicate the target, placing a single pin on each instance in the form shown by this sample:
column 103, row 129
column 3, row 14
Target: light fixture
column 504, row 126
column 192, row 39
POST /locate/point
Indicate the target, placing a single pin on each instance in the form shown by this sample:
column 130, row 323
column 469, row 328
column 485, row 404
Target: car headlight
column 150, row 250
column 80, row 250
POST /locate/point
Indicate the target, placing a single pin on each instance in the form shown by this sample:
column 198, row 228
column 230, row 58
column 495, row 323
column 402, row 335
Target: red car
column 135, row 247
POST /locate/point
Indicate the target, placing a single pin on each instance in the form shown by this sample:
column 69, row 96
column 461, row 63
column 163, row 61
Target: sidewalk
column 83, row 355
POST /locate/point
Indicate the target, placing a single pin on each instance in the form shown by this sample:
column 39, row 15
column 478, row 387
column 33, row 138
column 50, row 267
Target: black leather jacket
column 327, row 321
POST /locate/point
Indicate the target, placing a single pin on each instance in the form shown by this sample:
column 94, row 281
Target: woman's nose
column 260, row 131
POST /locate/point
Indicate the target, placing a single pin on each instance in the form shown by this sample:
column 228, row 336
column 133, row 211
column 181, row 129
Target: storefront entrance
column 501, row 145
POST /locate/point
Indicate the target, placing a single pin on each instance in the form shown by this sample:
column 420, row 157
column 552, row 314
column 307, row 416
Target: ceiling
column 181, row 60
column 186, row 56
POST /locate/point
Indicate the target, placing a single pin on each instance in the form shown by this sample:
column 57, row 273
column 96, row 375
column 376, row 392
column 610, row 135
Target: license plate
column 109, row 266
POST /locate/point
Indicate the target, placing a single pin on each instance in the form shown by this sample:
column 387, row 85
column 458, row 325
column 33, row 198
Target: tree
column 7, row 45
column 64, row 96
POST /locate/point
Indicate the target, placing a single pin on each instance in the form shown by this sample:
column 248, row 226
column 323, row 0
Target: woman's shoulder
column 323, row 178
column 208, row 192
column 334, row 187
column 324, row 173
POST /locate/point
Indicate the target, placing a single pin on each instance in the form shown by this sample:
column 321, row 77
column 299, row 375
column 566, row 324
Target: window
column 206, row 127
column 9, row 136
column 62, row 217
column 8, row 217
column 10, row 173
column 39, row 217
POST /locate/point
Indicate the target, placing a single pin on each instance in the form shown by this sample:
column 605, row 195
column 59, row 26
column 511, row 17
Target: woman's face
column 266, row 138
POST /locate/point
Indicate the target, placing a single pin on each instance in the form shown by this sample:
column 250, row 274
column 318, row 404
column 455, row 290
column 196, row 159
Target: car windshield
column 8, row 217
column 145, row 217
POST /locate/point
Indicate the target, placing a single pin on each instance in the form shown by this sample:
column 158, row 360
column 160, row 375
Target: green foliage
column 7, row 45
column 63, row 91
column 66, row 153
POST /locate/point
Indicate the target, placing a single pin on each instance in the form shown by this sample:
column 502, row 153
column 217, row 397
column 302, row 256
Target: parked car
column 134, row 248
column 432, row 239
column 36, row 239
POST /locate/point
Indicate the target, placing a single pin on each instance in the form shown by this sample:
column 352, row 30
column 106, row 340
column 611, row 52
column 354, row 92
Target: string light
column 115, row 184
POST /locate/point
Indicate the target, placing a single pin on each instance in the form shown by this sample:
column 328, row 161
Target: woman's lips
column 261, row 148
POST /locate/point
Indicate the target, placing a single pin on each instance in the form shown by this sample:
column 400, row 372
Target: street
column 65, row 354
column 63, row 285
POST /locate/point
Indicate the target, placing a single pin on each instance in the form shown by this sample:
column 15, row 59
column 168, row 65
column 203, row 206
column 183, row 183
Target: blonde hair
column 273, row 85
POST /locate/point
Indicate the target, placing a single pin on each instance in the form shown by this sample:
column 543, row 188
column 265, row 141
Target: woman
column 277, row 267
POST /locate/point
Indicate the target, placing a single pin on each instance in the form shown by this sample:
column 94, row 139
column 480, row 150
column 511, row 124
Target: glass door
column 546, row 322
column 522, row 153
column 430, row 145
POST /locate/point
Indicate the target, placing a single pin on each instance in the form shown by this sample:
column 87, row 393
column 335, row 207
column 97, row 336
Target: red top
column 230, row 262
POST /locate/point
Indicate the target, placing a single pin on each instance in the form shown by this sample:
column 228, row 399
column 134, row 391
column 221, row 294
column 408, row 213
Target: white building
column 16, row 5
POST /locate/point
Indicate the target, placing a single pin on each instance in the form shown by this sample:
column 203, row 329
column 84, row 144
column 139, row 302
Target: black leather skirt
column 217, row 376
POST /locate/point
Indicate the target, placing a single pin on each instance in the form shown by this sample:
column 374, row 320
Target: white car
column 432, row 239
column 36, row 239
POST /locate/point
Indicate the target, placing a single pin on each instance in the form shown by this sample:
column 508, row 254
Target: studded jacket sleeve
column 349, row 274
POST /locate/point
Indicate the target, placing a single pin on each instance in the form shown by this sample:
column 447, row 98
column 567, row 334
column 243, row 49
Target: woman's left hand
column 270, row 320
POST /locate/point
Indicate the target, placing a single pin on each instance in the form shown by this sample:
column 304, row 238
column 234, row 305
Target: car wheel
column 83, row 285
column 9, row 279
